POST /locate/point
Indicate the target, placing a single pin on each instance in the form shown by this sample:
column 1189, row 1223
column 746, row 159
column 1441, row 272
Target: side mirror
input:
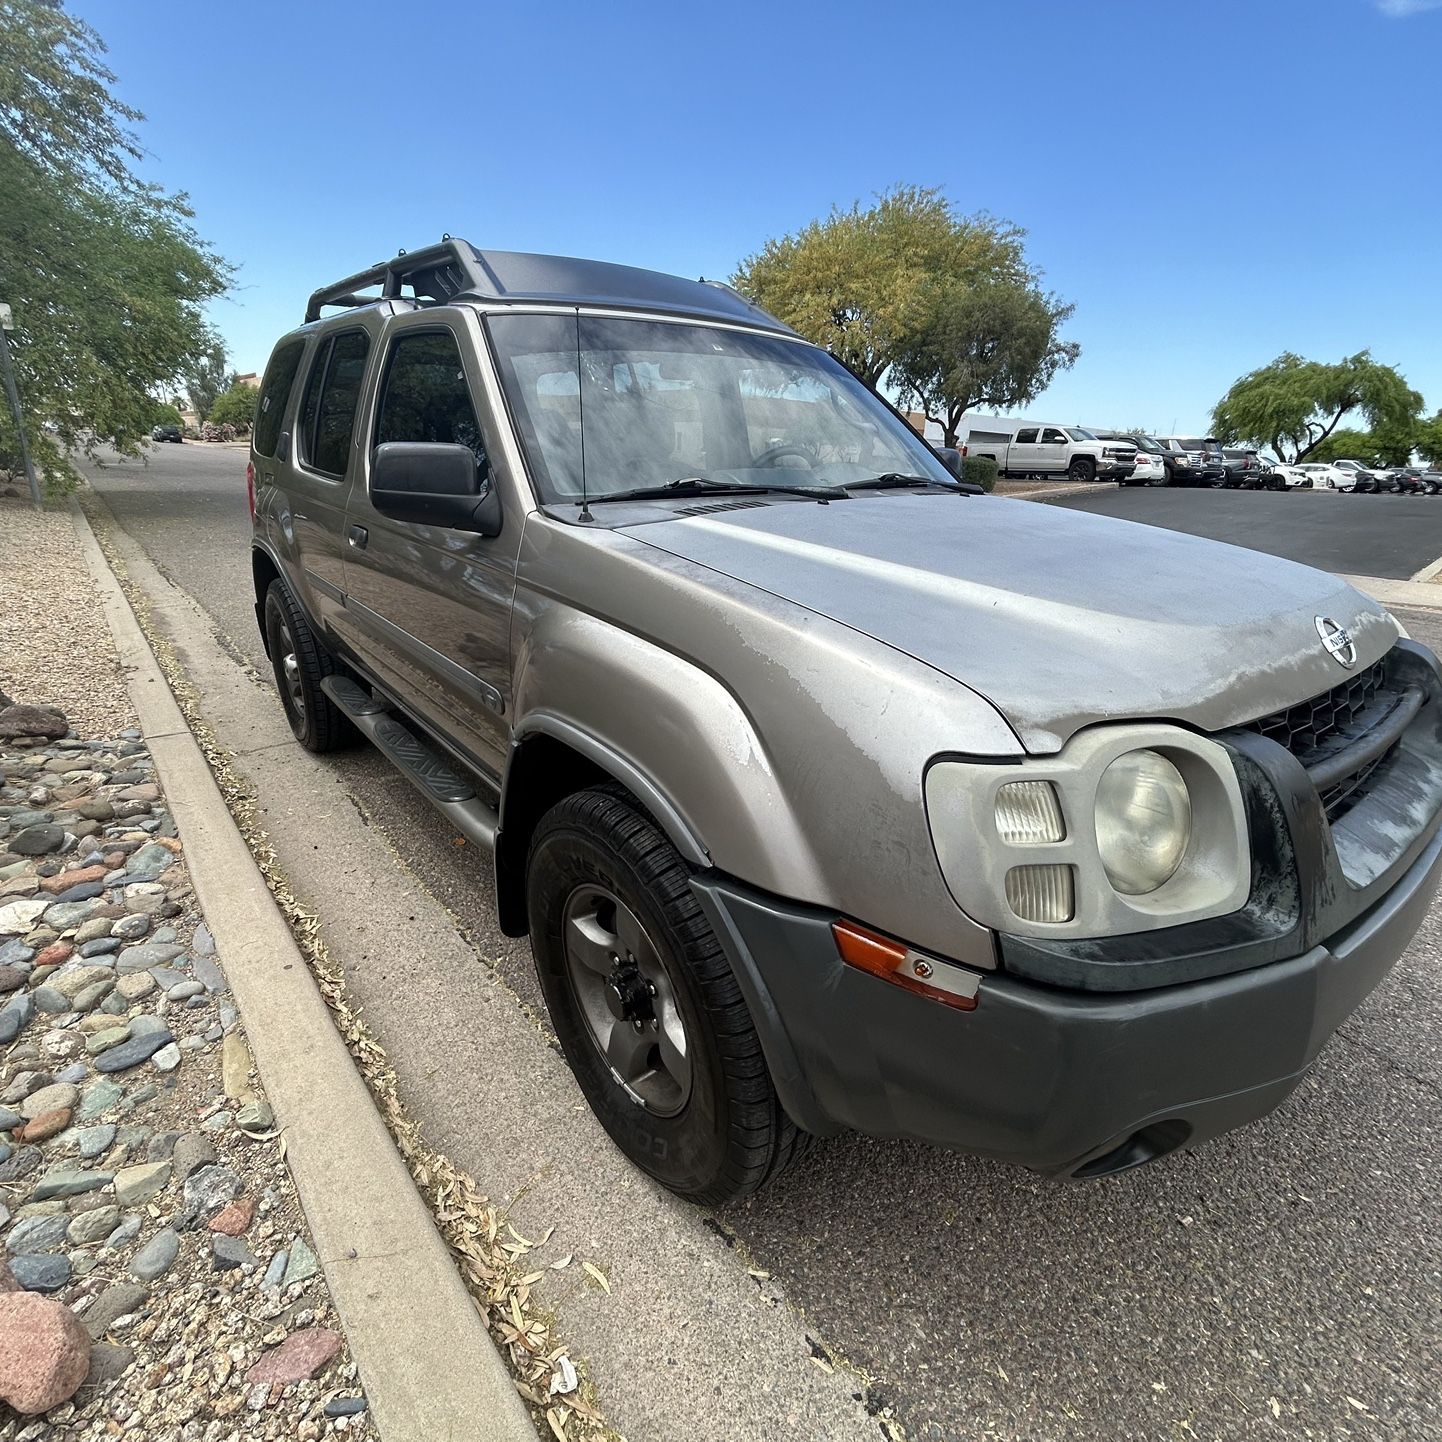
column 950, row 457
column 434, row 483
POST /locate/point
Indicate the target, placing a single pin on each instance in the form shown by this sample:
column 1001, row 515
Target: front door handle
column 357, row 536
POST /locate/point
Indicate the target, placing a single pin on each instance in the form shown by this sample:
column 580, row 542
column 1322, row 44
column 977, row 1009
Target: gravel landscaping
column 157, row 1280
column 55, row 648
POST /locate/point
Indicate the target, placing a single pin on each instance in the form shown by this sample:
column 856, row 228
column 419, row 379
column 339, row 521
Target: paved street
column 1382, row 535
column 1282, row 1282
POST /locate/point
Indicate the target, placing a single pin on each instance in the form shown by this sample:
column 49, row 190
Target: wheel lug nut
column 637, row 1023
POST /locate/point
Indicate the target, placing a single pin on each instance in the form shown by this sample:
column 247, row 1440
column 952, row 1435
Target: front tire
column 646, row 1006
column 300, row 664
column 1082, row 468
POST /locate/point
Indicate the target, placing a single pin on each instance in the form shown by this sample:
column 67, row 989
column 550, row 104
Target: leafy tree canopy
column 206, row 377
column 1429, row 440
column 105, row 272
column 235, row 407
column 861, row 282
column 989, row 343
column 1292, row 406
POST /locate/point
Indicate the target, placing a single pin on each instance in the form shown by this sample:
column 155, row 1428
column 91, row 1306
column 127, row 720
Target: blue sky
column 1210, row 182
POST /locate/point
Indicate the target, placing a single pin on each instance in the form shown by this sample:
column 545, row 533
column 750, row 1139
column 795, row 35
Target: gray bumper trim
column 1047, row 1078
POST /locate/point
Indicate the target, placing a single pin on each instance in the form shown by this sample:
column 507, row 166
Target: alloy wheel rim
column 627, row 999
column 290, row 671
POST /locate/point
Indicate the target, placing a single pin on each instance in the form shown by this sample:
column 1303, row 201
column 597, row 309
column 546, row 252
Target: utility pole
column 7, row 324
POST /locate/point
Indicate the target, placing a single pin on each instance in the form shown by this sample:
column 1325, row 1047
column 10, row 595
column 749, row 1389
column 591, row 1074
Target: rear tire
column 630, row 968
column 300, row 664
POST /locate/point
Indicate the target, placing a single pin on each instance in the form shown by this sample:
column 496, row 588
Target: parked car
column 1195, row 460
column 1150, row 467
column 830, row 791
column 1322, row 476
column 1031, row 448
column 1406, row 481
column 1242, row 468
column 166, row 433
column 1350, row 472
column 1282, row 476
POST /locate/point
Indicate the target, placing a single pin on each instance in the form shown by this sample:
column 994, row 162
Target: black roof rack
column 437, row 273
column 456, row 270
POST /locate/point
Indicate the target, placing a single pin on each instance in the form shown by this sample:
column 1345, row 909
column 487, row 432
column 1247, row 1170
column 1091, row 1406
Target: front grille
column 1316, row 730
column 1306, row 728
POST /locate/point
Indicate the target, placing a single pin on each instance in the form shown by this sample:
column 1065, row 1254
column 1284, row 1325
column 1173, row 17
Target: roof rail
column 437, row 273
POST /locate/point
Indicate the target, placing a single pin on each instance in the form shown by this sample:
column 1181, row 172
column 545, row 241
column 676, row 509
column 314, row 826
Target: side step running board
column 426, row 769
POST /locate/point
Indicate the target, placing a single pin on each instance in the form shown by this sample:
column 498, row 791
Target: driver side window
column 424, row 396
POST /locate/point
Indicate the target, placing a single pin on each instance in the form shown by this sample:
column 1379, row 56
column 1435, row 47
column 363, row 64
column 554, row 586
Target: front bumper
column 1114, row 470
column 1065, row 1082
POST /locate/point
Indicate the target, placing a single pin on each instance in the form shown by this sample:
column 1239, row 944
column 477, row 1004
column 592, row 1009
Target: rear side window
column 274, row 392
column 1026, row 437
column 331, row 394
column 425, row 397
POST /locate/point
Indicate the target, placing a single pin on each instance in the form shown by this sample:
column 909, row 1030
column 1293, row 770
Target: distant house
column 250, row 378
column 928, row 430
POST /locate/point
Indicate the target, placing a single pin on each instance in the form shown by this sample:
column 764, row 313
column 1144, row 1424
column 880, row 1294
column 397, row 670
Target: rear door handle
column 357, row 536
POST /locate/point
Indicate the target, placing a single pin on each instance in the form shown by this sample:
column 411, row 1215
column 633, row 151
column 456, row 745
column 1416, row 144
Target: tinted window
column 274, row 391
column 1050, row 436
column 425, row 397
column 1026, row 437
column 331, row 394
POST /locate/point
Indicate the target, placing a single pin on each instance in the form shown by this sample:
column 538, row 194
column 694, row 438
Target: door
column 1051, row 450
column 320, row 464
column 428, row 608
column 1021, row 457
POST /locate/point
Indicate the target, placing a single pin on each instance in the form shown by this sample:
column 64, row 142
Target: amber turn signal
column 891, row 961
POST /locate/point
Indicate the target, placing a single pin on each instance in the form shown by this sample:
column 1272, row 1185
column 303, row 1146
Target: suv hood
column 1058, row 617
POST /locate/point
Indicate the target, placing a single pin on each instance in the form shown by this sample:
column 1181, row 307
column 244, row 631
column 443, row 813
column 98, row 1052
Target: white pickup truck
column 1029, row 448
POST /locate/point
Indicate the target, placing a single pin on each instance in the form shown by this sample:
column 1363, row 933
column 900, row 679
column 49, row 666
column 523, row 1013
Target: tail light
column 250, row 487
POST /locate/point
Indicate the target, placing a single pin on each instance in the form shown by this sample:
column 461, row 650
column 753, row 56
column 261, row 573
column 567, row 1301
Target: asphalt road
column 1282, row 1282
column 1382, row 535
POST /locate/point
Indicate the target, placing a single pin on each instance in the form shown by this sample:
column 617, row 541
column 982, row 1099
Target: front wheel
column 646, row 1006
column 1082, row 468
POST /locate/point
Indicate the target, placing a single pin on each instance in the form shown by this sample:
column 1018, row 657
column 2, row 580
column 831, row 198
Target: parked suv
column 1196, row 460
column 831, row 792
column 1029, row 448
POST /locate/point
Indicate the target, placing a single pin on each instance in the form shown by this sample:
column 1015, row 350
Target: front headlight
column 1143, row 821
column 1131, row 827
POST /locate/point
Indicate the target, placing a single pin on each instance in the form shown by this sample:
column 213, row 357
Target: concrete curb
column 1427, row 572
column 427, row 1362
column 1423, row 594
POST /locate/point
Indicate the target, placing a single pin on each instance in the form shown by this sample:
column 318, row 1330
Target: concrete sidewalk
column 427, row 1361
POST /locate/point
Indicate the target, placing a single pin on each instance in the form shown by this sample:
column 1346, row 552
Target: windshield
column 1146, row 443
column 627, row 404
column 1080, row 433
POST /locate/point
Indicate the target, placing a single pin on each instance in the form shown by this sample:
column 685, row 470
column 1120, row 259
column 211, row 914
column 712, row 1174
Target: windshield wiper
column 704, row 485
column 894, row 480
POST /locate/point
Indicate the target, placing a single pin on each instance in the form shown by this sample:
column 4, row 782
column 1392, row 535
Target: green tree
column 235, row 407
column 207, row 377
column 1428, row 440
column 105, row 272
column 994, row 343
column 859, row 282
column 165, row 414
column 1387, row 445
column 1292, row 406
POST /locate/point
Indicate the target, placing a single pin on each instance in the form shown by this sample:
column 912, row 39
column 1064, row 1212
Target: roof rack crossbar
column 440, row 272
